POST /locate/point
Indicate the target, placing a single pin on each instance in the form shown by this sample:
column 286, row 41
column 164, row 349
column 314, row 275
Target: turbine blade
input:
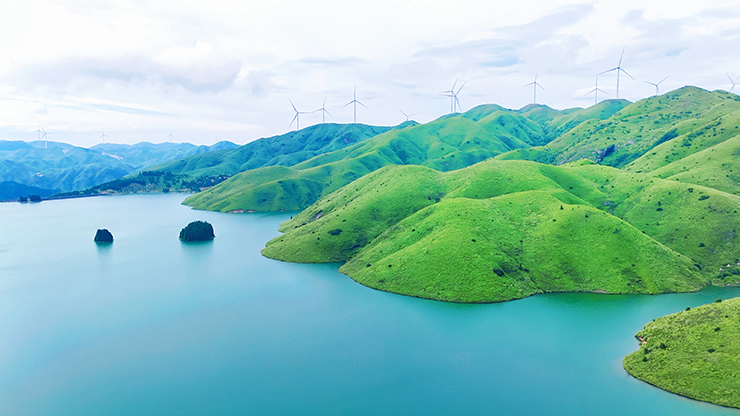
column 347, row 104
column 292, row 105
column 361, row 104
column 621, row 56
column 662, row 80
column 538, row 85
column 453, row 85
column 627, row 74
column 730, row 78
column 294, row 119
column 461, row 87
column 608, row 70
column 527, row 85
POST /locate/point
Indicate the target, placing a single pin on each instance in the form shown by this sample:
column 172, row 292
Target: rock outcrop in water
column 103, row 236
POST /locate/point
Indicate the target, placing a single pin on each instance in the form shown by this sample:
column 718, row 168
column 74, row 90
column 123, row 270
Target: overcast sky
column 225, row 70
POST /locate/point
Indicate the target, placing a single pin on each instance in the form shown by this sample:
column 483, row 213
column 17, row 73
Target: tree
column 197, row 231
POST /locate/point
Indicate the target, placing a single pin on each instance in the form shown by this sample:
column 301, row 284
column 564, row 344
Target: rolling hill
column 448, row 143
column 501, row 230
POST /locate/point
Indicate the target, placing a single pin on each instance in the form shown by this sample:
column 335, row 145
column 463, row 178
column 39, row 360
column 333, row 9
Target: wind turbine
column 408, row 115
column 355, row 102
column 102, row 135
column 619, row 69
column 596, row 90
column 732, row 81
column 454, row 101
column 170, row 137
column 296, row 117
column 657, row 90
column 324, row 112
column 40, row 132
column 534, row 85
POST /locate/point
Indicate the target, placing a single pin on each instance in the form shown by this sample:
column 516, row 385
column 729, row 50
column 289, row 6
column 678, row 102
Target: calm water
column 153, row 326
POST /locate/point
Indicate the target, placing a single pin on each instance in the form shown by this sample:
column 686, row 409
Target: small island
column 693, row 353
column 103, row 236
column 197, row 231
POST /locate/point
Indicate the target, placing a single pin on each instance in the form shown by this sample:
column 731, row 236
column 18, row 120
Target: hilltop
column 693, row 353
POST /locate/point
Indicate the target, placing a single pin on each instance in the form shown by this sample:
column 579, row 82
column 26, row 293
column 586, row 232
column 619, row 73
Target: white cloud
column 139, row 70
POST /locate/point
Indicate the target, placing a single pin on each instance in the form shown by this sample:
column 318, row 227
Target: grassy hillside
column 694, row 353
column 505, row 229
column 716, row 167
column 449, row 143
column 648, row 134
column 284, row 150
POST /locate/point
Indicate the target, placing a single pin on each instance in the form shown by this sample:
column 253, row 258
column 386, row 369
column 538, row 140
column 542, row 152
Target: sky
column 202, row 72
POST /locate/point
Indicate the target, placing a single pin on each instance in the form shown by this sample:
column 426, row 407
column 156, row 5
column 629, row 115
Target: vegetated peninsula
column 502, row 230
column 694, row 353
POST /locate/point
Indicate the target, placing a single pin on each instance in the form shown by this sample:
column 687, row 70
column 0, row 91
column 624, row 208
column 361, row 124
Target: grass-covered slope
column 449, row 143
column 500, row 230
column 283, row 150
column 694, row 353
column 648, row 134
column 716, row 167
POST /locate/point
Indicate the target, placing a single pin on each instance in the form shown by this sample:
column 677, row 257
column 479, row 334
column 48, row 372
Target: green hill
column 284, row 150
column 448, row 143
column 648, row 134
column 501, row 230
column 694, row 353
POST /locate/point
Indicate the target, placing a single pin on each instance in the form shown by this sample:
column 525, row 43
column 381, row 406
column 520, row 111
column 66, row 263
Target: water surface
column 152, row 326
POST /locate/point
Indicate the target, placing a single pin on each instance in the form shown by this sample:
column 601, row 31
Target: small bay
column 149, row 326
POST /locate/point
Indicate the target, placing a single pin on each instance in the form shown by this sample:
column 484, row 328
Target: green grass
column 694, row 353
column 617, row 232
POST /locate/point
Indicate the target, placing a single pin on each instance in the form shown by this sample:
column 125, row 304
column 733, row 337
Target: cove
column 152, row 326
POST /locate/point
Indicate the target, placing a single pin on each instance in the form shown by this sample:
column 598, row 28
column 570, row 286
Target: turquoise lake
column 152, row 326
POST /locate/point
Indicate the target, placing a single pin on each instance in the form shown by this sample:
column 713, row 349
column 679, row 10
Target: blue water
column 152, row 326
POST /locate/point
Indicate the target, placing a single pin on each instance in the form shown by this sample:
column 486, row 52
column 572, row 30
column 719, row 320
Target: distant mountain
column 58, row 167
column 284, row 150
column 448, row 143
column 206, row 169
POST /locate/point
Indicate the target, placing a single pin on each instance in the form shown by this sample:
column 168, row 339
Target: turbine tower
column 732, row 81
column 408, row 115
column 355, row 102
column 596, row 90
column 534, row 85
column 454, row 101
column 41, row 133
column 324, row 112
column 619, row 69
column 296, row 117
column 657, row 90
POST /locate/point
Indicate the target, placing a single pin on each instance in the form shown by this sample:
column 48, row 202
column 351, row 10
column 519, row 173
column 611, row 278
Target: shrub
column 197, row 231
column 703, row 197
column 336, row 231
